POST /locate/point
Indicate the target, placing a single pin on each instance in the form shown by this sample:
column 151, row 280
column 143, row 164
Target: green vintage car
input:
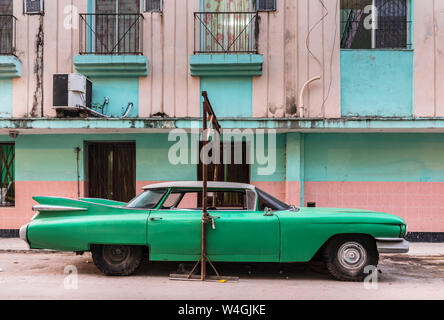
column 248, row 225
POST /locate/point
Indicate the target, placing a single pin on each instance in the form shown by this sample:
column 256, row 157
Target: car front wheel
column 346, row 258
column 117, row 260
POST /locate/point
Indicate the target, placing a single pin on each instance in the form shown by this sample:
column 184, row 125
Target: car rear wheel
column 346, row 258
column 117, row 260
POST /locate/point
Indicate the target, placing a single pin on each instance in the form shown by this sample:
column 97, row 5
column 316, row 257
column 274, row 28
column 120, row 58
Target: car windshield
column 268, row 201
column 147, row 200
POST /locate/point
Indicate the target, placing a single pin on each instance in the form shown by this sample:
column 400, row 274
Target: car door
column 243, row 236
column 174, row 235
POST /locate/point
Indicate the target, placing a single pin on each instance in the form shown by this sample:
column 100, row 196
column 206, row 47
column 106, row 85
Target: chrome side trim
column 56, row 208
column 24, row 233
column 392, row 245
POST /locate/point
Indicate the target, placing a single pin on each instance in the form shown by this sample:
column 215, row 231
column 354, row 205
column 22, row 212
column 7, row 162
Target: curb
column 29, row 251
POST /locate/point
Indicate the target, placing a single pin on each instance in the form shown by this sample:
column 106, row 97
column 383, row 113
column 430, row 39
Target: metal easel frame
column 209, row 122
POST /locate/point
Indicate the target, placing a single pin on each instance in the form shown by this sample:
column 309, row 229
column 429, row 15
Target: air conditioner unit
column 33, row 6
column 71, row 91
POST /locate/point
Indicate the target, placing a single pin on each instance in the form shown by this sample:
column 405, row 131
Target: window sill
column 10, row 67
column 217, row 65
column 379, row 49
column 111, row 66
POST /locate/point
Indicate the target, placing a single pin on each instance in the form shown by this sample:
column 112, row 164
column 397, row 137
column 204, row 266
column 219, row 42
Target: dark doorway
column 228, row 172
column 112, row 171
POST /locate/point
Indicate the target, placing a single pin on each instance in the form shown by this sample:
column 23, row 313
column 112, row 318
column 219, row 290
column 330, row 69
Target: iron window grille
column 375, row 24
column 8, row 31
column 225, row 32
column 153, row 5
column 7, row 175
column 111, row 34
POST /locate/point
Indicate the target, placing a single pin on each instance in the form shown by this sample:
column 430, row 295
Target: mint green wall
column 295, row 160
column 52, row 157
column 411, row 157
column 46, row 157
column 229, row 96
column 279, row 174
column 324, row 157
column 120, row 92
column 377, row 83
column 152, row 160
column 5, row 98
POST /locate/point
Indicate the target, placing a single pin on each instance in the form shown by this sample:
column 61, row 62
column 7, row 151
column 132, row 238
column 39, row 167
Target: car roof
column 198, row 184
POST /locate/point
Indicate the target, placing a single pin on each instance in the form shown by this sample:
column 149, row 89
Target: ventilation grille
column 266, row 5
column 153, row 5
column 33, row 6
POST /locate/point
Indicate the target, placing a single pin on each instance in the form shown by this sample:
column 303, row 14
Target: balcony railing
column 8, row 25
column 111, row 34
column 225, row 32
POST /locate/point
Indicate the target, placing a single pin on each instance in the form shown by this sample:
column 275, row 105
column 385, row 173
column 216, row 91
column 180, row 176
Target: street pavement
column 48, row 275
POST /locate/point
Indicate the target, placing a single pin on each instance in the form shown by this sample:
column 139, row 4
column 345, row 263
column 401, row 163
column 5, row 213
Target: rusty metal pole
column 203, row 267
column 207, row 111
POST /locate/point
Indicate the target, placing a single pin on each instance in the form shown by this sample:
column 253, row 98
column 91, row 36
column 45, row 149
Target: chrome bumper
column 392, row 245
column 24, row 233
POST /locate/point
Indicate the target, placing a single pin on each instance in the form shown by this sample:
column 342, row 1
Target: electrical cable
column 307, row 44
column 307, row 40
column 331, row 55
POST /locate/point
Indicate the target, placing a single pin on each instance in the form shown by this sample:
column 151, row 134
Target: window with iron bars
column 7, row 28
column 375, row 24
column 7, row 175
column 115, row 27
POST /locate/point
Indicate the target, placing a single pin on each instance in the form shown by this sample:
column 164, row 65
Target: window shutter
column 266, row 5
column 153, row 5
column 33, row 6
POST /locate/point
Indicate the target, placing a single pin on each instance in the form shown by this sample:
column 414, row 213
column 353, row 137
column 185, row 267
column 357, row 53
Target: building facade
column 353, row 90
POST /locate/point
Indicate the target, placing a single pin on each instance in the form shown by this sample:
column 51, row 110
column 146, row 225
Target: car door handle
column 156, row 218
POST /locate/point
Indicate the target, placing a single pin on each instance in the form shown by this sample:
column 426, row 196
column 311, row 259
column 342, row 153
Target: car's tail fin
column 55, row 204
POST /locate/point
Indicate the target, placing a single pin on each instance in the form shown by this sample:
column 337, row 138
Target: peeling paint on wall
column 37, row 104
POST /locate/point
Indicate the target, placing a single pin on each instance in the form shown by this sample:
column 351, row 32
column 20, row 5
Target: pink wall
column 287, row 191
column 421, row 204
column 169, row 40
column 288, row 64
column 13, row 218
column 429, row 58
column 168, row 43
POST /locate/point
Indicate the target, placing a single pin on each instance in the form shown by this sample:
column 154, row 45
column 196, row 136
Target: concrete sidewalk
column 416, row 248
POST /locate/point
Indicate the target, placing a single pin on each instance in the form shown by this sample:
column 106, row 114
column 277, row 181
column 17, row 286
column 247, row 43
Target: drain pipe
column 77, row 152
column 128, row 110
column 301, row 95
column 93, row 111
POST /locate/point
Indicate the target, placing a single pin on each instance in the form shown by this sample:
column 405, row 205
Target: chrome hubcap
column 115, row 254
column 352, row 255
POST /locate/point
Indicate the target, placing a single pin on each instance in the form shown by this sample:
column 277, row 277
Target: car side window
column 227, row 200
column 185, row 200
column 172, row 200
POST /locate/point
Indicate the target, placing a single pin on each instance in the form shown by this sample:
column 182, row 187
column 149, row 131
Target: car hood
column 350, row 215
